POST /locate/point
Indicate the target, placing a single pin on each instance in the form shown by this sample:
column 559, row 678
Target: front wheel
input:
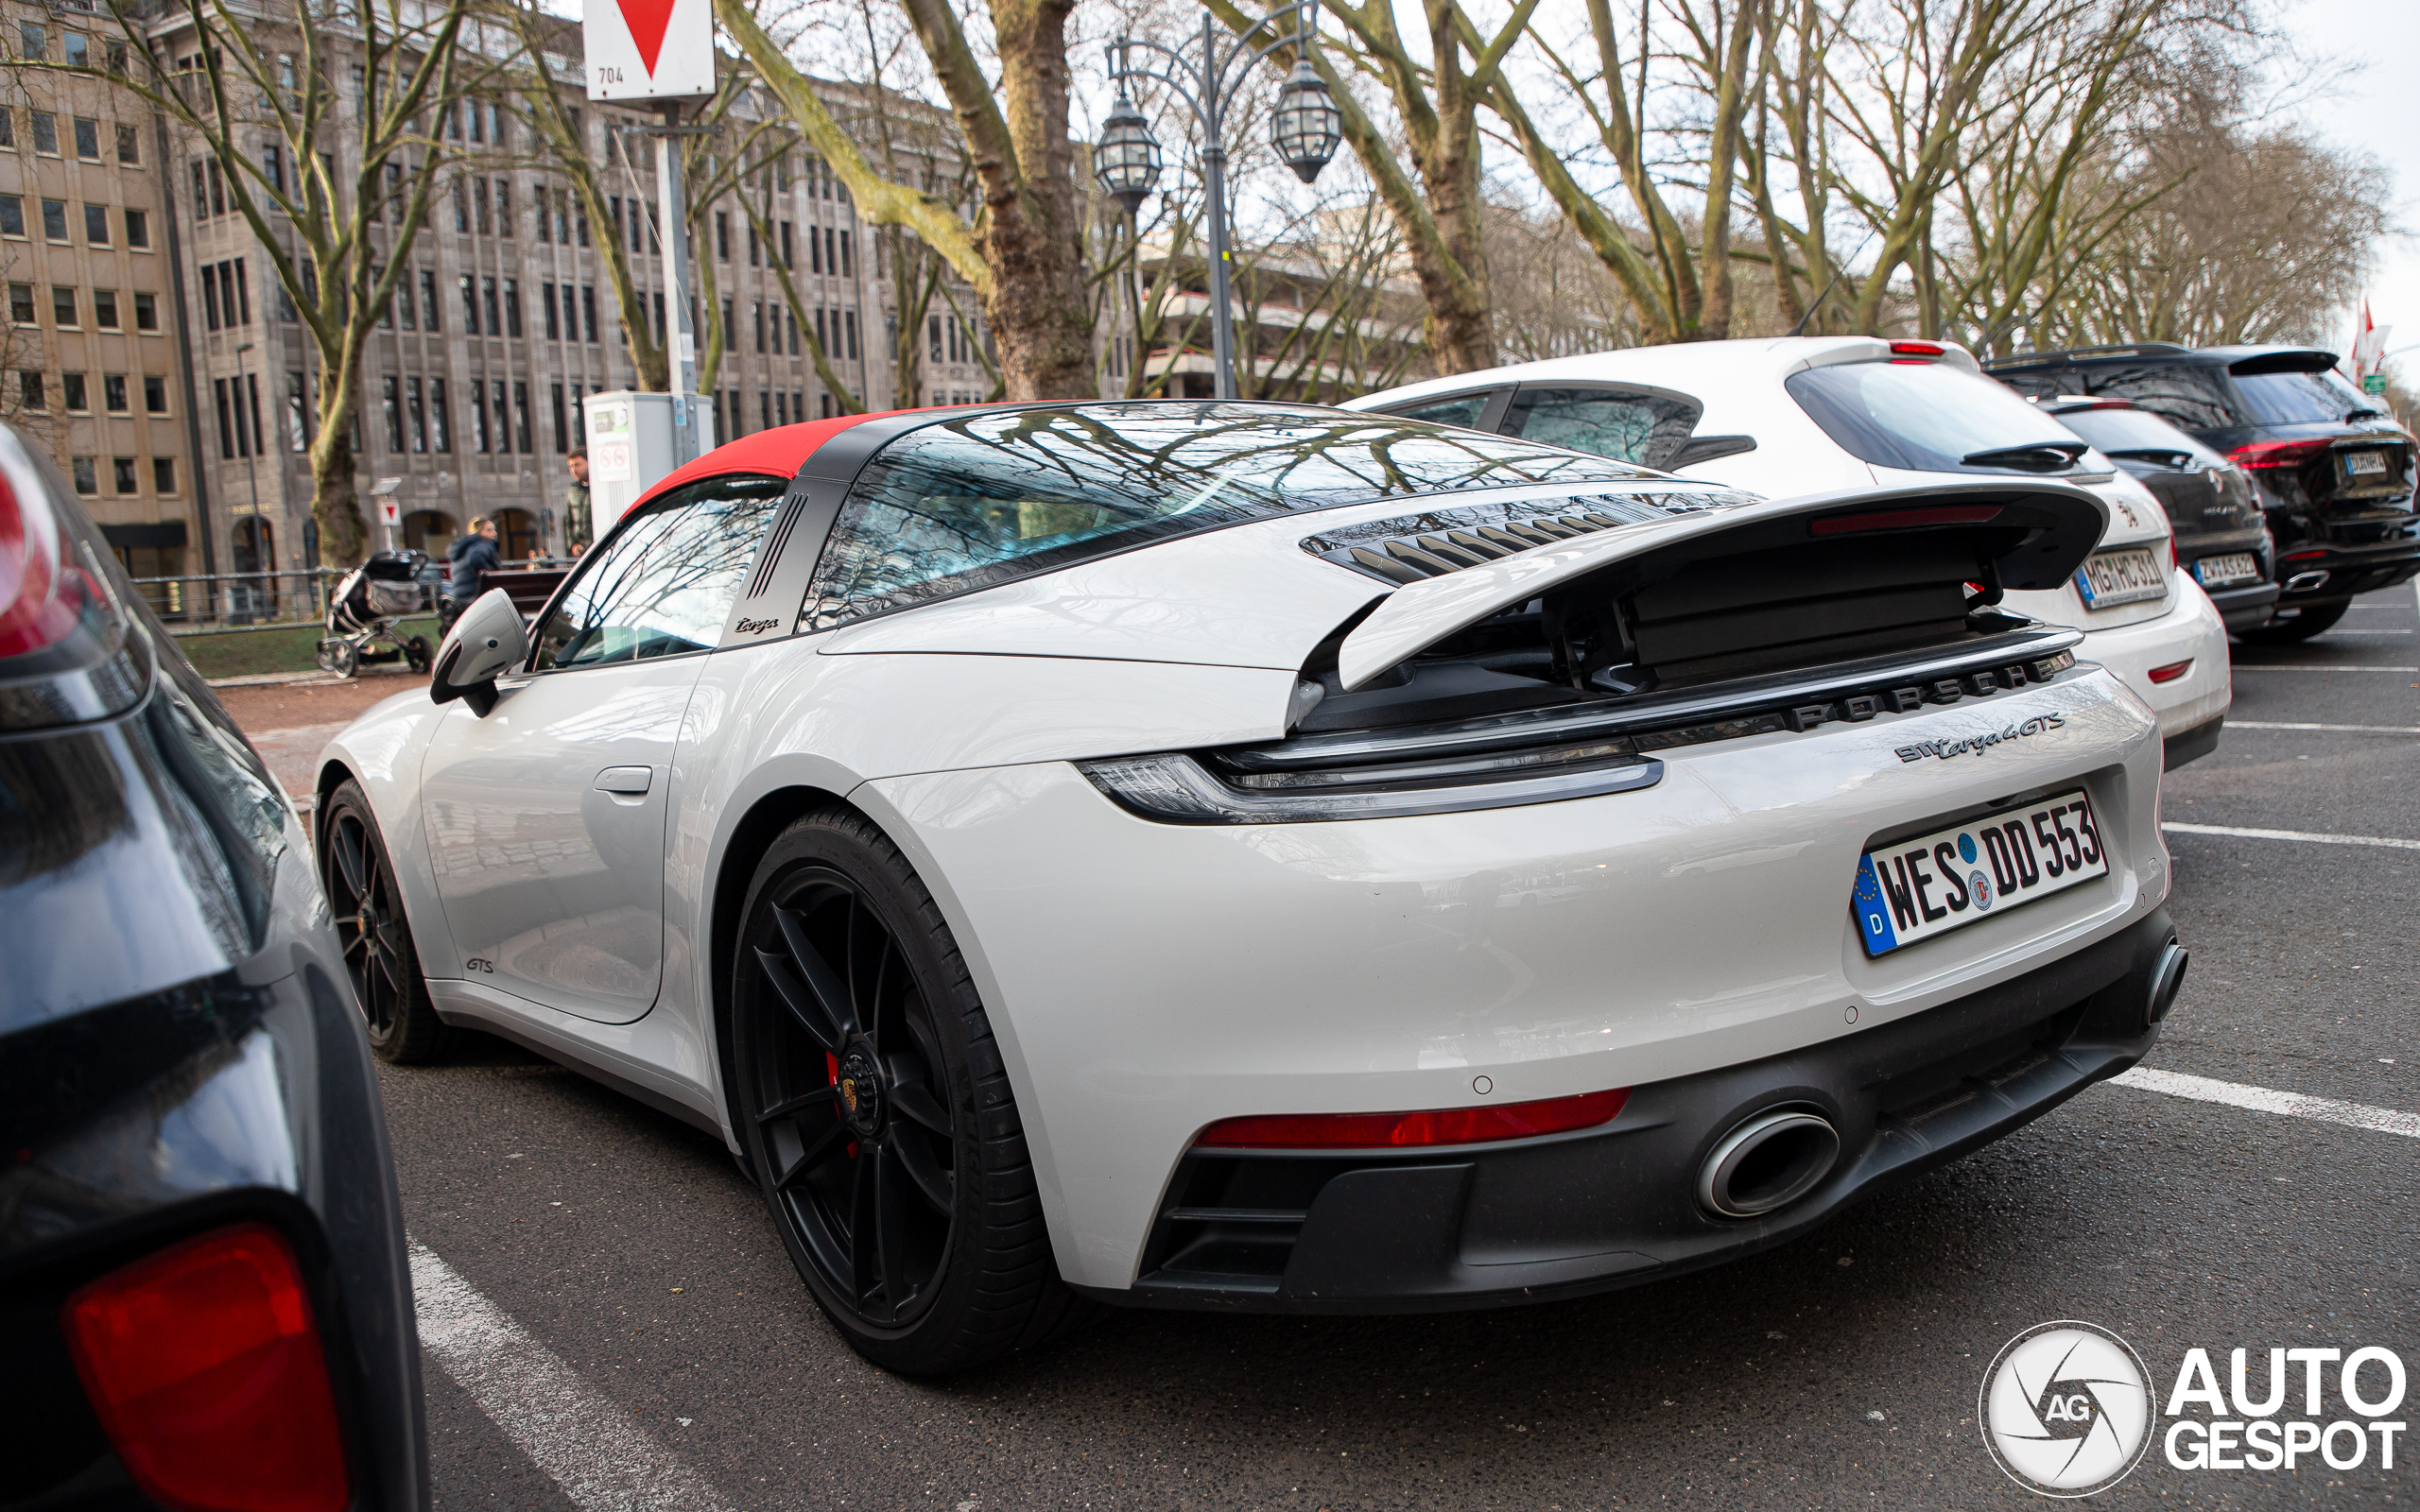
column 2303, row 624
column 877, row 1109
column 377, row 938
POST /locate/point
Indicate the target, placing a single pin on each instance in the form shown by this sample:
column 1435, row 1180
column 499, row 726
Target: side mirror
column 488, row 641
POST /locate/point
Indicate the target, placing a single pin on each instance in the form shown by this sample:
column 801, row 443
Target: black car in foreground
column 2334, row 473
column 204, row 1297
column 2221, row 533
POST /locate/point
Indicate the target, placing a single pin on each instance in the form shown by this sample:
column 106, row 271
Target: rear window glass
column 982, row 499
column 1926, row 417
column 2138, row 434
column 1462, row 409
column 1643, row 428
column 2303, row 398
column 2191, row 395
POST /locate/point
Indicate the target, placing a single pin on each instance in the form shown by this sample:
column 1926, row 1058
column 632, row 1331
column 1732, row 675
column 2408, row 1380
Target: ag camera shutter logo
column 2066, row 1409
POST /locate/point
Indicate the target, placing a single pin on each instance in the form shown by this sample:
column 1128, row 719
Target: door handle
column 630, row 780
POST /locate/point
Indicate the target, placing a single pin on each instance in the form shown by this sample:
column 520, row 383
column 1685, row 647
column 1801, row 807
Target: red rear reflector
column 2172, row 671
column 1849, row 525
column 1445, row 1126
column 2253, row 456
column 203, row 1363
column 2302, row 555
column 1915, row 349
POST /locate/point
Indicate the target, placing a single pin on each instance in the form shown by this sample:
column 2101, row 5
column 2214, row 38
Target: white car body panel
column 1740, row 386
column 1354, row 947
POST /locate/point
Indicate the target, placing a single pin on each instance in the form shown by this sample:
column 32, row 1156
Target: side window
column 662, row 584
column 1467, row 410
column 1630, row 426
column 2184, row 394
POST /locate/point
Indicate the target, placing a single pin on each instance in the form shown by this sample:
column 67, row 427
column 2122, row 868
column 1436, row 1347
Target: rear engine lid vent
column 1410, row 548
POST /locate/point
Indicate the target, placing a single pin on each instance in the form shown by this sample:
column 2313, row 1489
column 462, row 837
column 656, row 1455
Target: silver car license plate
column 2127, row 575
column 1913, row 889
column 2222, row 572
column 2360, row 464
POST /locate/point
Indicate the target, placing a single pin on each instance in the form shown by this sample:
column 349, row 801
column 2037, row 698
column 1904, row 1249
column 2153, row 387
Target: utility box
column 632, row 444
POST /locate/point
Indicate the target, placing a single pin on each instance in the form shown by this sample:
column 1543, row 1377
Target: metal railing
column 252, row 601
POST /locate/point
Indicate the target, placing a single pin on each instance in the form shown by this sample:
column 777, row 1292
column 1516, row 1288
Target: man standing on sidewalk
column 579, row 529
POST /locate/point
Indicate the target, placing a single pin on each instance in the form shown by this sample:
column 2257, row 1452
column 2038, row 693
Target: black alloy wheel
column 377, row 938
column 877, row 1110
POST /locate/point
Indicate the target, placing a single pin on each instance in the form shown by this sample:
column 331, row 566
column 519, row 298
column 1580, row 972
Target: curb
column 263, row 680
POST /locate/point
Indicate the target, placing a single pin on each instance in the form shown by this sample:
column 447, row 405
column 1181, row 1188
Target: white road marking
column 2349, row 730
column 2241, row 666
column 603, row 1460
column 2304, row 835
column 2269, row 1100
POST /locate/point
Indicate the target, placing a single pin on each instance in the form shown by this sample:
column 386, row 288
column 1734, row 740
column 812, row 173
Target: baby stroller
column 362, row 614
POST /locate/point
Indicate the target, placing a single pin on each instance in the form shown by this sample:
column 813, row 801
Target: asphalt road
column 1838, row 1371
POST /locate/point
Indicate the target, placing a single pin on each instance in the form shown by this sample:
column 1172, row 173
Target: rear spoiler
column 2061, row 525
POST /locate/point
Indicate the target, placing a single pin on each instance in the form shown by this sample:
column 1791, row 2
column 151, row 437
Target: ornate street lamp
column 1306, row 127
column 1203, row 74
column 1127, row 161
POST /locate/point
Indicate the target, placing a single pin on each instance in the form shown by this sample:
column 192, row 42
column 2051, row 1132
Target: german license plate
column 2127, row 575
column 2236, row 567
column 2360, row 464
column 1914, row 889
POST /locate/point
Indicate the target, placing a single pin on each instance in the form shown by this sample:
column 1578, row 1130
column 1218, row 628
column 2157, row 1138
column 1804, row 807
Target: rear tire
column 2302, row 626
column 378, row 951
column 876, row 1113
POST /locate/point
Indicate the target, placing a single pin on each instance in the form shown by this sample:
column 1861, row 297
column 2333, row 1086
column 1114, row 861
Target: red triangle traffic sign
column 646, row 20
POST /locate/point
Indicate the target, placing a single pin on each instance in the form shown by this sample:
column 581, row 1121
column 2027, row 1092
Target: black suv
column 2334, row 473
column 2222, row 537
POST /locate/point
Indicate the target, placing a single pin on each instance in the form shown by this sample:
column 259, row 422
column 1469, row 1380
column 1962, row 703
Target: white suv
column 1799, row 415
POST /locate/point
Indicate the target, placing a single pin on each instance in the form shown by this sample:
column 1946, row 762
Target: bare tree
column 337, row 234
column 1019, row 248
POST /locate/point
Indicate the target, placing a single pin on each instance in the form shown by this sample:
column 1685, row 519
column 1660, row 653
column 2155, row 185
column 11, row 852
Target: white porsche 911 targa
column 1237, row 855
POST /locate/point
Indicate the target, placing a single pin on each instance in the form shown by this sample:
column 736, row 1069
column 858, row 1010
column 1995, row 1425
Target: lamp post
column 1305, row 128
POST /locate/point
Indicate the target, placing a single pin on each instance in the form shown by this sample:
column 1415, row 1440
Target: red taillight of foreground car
column 2172, row 671
column 1853, row 524
column 204, row 1365
column 2255, row 457
column 41, row 590
column 1443, row 1126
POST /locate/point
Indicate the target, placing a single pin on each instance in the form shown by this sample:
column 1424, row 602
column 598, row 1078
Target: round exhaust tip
column 2168, row 979
column 1768, row 1162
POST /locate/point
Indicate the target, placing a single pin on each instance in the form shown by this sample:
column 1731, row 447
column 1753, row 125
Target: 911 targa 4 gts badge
column 1977, row 745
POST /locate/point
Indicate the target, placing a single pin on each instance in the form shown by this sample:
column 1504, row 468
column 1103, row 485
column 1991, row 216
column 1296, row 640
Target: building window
column 113, row 393
column 297, row 434
column 461, row 208
column 848, row 254
column 138, row 230
column 479, row 205
column 273, row 165
column 512, row 306
column 521, row 417
column 391, row 407
column 8, row 127
column 756, row 310
column 851, row 323
column 33, row 41
column 78, row 51
column 406, row 314
column 428, row 295
column 87, row 479
column 486, row 297
column 226, row 425
column 122, row 475
column 12, row 215
column 730, row 326
column 96, row 225
column 218, row 187
column 504, row 207
column 29, row 387
column 469, row 305
column 503, row 417
column 155, row 394
column 163, row 475
column 763, row 410
column 438, row 421
column 554, row 314
column 20, row 303
column 243, row 286
column 129, row 148
column 147, row 312
column 587, row 310
column 88, row 138
column 46, row 131
column 722, row 236
column 62, row 307
column 104, row 309
column 54, row 220
column 416, row 413
column 563, row 439
column 479, row 415
column 209, row 296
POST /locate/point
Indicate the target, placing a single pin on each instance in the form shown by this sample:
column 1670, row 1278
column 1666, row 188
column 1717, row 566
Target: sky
column 2376, row 108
